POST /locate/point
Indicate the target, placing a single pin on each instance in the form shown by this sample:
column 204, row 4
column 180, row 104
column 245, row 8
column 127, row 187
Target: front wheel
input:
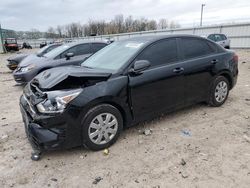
column 218, row 91
column 101, row 126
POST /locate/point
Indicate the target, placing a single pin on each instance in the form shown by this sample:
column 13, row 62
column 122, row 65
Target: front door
column 160, row 87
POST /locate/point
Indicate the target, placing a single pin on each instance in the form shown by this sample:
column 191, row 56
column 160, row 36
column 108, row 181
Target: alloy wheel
column 103, row 128
column 221, row 91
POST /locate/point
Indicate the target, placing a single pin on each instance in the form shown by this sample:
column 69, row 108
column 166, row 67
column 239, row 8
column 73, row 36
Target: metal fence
column 239, row 34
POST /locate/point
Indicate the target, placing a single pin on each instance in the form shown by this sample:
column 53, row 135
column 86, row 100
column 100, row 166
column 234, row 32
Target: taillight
column 235, row 58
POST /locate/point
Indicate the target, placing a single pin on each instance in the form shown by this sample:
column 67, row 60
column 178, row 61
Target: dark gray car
column 13, row 61
column 67, row 54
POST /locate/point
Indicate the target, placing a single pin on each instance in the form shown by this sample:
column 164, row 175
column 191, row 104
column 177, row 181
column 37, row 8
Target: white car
column 220, row 39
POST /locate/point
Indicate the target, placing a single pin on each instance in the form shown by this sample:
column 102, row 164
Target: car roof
column 70, row 44
column 153, row 38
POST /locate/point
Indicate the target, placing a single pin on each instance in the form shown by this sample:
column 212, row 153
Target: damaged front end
column 50, row 119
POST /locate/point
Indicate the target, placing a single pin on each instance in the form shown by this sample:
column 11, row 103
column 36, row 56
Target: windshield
column 46, row 49
column 11, row 41
column 113, row 56
column 56, row 51
column 39, row 52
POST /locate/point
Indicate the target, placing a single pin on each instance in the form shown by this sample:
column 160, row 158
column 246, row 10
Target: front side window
column 192, row 48
column 78, row 50
column 160, row 53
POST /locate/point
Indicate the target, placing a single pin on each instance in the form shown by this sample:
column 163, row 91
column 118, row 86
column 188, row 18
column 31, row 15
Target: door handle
column 214, row 61
column 178, row 70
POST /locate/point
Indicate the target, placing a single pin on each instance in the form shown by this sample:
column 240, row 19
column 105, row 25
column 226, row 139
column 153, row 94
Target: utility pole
column 202, row 5
column 2, row 48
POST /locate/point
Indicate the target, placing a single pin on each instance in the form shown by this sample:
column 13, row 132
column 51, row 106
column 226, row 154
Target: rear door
column 160, row 87
column 198, row 59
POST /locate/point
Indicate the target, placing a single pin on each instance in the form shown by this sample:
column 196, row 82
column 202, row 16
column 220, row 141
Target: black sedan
column 125, row 83
column 13, row 61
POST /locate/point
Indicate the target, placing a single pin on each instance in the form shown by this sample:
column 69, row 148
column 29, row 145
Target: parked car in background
column 127, row 82
column 13, row 61
column 42, row 44
column 26, row 45
column 67, row 54
column 220, row 39
column 10, row 44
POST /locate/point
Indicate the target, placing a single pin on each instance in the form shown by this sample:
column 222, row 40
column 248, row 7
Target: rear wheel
column 101, row 126
column 218, row 91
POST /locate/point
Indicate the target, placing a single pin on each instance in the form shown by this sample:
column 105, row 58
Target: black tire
column 90, row 116
column 213, row 101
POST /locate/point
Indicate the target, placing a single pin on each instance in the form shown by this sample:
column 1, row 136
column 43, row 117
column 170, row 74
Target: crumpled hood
column 31, row 59
column 52, row 77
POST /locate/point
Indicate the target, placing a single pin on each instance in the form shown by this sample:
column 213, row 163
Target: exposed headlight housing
column 27, row 68
column 57, row 105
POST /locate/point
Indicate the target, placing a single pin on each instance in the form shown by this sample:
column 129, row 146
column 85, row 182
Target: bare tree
column 59, row 30
column 174, row 25
column 163, row 23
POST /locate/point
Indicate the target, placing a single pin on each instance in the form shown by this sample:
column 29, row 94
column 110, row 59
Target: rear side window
column 192, row 48
column 97, row 46
column 160, row 53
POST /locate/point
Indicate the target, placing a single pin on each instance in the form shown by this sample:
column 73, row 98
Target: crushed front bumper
column 41, row 137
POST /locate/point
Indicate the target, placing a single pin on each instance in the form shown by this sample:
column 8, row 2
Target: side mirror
column 140, row 66
column 69, row 55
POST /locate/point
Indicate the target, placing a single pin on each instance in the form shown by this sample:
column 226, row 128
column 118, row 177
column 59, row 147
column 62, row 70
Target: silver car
column 220, row 39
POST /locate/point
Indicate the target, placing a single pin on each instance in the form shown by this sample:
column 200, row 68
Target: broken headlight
column 58, row 104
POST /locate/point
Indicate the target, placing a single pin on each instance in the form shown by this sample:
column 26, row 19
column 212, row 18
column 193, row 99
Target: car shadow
column 82, row 152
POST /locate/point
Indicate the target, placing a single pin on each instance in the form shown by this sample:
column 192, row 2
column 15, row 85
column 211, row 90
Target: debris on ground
column 136, row 181
column 183, row 174
column 186, row 132
column 106, row 151
column 6, row 124
column 97, row 180
column 247, row 138
column 147, row 132
column 244, row 62
column 4, row 137
column 183, row 162
column 3, row 118
column 247, row 99
column 53, row 179
column 81, row 157
column 204, row 114
column 23, row 181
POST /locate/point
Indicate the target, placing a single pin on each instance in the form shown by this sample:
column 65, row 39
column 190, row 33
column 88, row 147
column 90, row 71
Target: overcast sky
column 40, row 14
